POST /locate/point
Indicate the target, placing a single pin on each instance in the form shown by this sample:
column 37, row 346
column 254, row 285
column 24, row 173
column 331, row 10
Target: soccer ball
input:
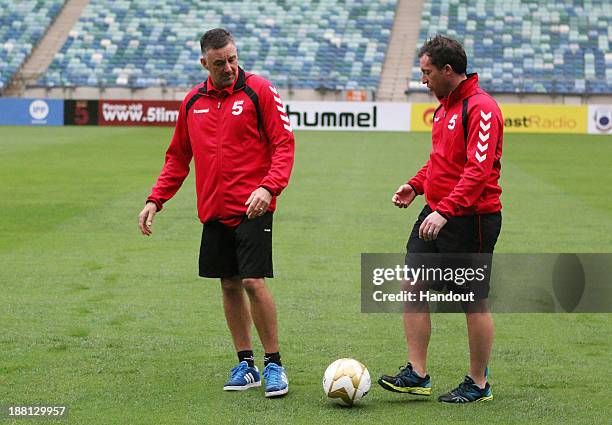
column 346, row 381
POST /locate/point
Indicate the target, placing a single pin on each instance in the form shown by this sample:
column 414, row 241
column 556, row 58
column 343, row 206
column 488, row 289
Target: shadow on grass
column 406, row 400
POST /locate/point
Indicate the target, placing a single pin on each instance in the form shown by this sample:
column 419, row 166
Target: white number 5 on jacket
column 237, row 108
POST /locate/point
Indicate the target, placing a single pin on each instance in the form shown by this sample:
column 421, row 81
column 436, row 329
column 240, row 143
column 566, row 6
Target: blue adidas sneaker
column 277, row 383
column 243, row 377
column 467, row 392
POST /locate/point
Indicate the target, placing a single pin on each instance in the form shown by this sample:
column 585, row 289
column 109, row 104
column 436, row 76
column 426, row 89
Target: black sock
column 272, row 358
column 246, row 356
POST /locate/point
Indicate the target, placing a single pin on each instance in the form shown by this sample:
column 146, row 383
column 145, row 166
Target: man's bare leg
column 263, row 311
column 237, row 313
column 480, row 337
column 417, row 326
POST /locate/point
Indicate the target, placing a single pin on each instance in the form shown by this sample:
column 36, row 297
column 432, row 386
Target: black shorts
column 243, row 251
column 460, row 235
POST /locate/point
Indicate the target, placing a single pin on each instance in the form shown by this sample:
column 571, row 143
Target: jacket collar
column 465, row 89
column 238, row 84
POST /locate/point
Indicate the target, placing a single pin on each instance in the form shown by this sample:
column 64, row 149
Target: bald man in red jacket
column 462, row 213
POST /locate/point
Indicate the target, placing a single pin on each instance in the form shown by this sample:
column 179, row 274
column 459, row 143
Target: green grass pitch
column 120, row 328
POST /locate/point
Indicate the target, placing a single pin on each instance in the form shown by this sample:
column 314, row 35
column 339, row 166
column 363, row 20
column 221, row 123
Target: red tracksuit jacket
column 240, row 139
column 461, row 176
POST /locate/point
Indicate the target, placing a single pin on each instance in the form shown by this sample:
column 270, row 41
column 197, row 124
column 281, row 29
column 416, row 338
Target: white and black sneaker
column 467, row 392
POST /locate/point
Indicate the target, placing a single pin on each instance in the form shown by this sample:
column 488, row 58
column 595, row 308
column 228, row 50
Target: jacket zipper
column 219, row 135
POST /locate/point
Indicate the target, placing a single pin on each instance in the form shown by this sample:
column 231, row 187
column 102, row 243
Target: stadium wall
column 519, row 118
column 529, row 98
column 306, row 115
column 178, row 93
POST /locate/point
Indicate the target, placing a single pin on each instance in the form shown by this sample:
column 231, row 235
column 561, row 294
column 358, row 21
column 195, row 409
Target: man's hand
column 404, row 195
column 258, row 202
column 431, row 226
column 145, row 218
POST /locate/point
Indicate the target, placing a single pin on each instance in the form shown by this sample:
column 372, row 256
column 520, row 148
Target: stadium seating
column 528, row 46
column 334, row 44
column 22, row 24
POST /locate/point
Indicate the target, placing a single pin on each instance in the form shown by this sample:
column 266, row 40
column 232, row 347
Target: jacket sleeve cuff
column 157, row 203
column 268, row 189
column 443, row 214
column 418, row 189
column 447, row 208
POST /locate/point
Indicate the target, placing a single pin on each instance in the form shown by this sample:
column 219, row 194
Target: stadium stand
column 527, row 46
column 22, row 24
column 336, row 44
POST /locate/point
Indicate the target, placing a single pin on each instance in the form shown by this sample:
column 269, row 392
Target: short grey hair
column 216, row 38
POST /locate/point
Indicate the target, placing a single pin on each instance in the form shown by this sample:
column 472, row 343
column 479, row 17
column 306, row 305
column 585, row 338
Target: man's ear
column 204, row 63
column 448, row 70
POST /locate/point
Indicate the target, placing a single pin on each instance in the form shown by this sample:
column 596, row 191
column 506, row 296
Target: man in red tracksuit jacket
column 235, row 128
column 462, row 214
